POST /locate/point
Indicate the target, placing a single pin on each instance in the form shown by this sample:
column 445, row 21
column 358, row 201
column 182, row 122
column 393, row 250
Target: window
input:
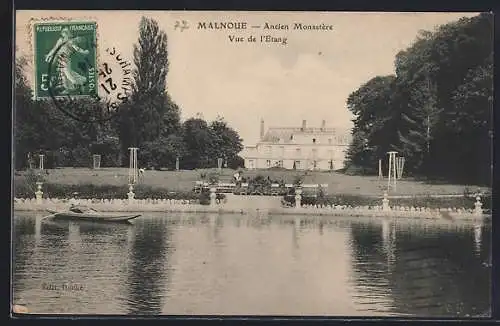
column 329, row 141
column 314, row 140
column 315, row 164
column 268, row 149
column 250, row 164
column 297, row 152
column 297, row 164
column 314, row 153
column 268, row 163
column 280, row 163
column 282, row 151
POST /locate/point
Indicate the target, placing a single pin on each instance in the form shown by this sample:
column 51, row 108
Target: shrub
column 421, row 201
column 87, row 190
column 213, row 178
column 26, row 186
column 298, row 180
column 204, row 197
column 144, row 192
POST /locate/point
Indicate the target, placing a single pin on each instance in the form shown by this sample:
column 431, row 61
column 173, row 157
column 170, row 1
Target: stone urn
column 298, row 197
column 385, row 202
column 131, row 194
column 213, row 196
column 39, row 192
column 478, row 206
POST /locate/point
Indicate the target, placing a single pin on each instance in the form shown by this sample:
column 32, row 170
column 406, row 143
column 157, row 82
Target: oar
column 48, row 216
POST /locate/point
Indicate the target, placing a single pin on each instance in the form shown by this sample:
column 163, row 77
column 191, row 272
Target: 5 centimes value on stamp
column 84, row 85
column 65, row 58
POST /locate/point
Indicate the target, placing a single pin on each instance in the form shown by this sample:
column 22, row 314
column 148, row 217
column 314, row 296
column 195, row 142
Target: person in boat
column 76, row 207
column 81, row 209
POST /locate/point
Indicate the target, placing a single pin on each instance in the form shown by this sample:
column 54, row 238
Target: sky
column 309, row 78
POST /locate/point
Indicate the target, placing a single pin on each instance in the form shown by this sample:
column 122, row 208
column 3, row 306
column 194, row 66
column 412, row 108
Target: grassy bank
column 184, row 181
column 112, row 184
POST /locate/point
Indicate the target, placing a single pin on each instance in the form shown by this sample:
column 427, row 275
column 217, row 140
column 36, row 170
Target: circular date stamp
column 84, row 84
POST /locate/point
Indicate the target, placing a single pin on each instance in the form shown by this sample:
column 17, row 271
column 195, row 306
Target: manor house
column 301, row 148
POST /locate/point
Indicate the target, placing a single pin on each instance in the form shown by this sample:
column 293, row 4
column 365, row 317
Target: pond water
column 252, row 265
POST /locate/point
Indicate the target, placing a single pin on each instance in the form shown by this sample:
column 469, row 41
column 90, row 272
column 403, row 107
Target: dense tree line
column 436, row 110
column 149, row 120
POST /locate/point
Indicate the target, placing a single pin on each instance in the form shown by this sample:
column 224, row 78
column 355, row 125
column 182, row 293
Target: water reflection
column 254, row 264
column 148, row 272
column 478, row 234
column 433, row 271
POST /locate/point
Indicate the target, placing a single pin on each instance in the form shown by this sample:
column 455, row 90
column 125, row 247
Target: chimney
column 323, row 125
column 261, row 129
column 303, row 125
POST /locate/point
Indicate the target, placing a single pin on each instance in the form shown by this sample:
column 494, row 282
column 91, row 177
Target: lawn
column 185, row 180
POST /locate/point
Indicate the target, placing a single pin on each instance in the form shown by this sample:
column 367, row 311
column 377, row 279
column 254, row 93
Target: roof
column 275, row 135
column 284, row 135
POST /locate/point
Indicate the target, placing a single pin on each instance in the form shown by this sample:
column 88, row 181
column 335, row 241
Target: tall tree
column 199, row 140
column 226, row 141
column 25, row 132
column 374, row 131
column 150, row 113
column 440, row 104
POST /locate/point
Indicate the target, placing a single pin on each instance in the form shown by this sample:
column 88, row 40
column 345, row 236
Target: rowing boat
column 92, row 215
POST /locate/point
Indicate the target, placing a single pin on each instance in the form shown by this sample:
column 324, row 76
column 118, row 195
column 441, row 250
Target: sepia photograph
column 264, row 163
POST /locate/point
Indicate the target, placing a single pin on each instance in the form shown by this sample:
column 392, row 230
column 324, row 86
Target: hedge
column 421, row 201
column 88, row 190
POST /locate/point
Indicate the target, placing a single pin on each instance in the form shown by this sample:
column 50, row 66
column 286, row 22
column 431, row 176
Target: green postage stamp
column 65, row 58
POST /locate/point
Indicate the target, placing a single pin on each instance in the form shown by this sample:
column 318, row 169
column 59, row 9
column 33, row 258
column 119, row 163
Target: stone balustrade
column 386, row 210
column 131, row 204
column 117, row 205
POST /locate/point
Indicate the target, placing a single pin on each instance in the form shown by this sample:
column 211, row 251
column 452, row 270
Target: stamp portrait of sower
column 63, row 51
column 65, row 59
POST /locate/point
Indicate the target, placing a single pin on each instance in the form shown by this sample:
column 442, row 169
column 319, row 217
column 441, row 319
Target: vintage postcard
column 252, row 163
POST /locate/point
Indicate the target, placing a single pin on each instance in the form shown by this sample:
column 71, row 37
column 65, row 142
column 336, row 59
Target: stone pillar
column 39, row 192
column 298, row 197
column 392, row 170
column 478, row 210
column 131, row 194
column 41, row 167
column 213, row 196
column 133, row 167
column 385, row 203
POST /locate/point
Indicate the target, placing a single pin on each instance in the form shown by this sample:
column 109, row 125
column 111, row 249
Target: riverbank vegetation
column 185, row 180
column 25, row 187
column 464, row 202
column 435, row 110
column 92, row 191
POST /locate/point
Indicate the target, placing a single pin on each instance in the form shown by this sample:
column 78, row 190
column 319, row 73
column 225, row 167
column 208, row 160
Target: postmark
column 84, row 84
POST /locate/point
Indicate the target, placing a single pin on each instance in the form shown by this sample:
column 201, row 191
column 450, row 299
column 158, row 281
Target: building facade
column 301, row 148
